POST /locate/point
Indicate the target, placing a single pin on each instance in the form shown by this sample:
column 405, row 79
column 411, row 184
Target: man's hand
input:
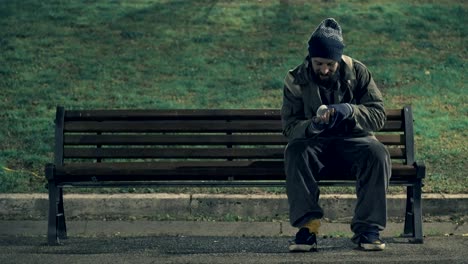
column 321, row 120
column 340, row 112
column 323, row 115
column 316, row 126
column 329, row 117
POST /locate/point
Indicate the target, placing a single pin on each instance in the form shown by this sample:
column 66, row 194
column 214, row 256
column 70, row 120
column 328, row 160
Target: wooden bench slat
column 181, row 114
column 169, row 153
column 393, row 126
column 240, row 170
column 187, row 114
column 398, row 139
column 174, row 126
column 194, row 139
column 190, row 126
column 172, row 165
column 394, row 114
column 181, row 153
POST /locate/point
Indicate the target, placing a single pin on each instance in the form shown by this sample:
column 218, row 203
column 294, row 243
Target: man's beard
column 327, row 82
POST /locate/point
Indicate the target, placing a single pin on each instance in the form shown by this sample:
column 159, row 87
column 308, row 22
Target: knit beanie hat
column 327, row 41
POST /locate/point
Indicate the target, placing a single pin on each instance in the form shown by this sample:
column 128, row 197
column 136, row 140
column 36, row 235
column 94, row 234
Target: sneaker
column 304, row 241
column 369, row 241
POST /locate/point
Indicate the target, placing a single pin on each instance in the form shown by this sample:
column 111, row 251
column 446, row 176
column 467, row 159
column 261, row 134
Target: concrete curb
column 229, row 207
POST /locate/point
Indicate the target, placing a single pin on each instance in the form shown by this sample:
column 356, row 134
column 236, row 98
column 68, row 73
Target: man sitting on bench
column 331, row 106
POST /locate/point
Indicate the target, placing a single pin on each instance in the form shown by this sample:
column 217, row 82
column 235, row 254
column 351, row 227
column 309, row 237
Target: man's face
column 324, row 69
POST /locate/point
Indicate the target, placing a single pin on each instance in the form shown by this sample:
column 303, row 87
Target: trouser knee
column 295, row 152
column 379, row 153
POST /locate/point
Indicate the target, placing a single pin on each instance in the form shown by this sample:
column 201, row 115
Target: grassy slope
column 221, row 54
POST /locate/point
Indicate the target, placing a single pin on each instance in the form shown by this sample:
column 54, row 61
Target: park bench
column 215, row 147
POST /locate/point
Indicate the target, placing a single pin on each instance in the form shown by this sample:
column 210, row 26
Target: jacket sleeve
column 369, row 112
column 293, row 118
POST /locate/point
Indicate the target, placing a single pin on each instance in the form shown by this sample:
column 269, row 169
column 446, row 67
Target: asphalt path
column 196, row 249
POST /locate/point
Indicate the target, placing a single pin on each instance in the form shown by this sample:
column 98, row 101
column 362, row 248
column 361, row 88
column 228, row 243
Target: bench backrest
column 147, row 135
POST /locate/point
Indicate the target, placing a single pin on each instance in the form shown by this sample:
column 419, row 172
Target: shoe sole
column 372, row 247
column 302, row 248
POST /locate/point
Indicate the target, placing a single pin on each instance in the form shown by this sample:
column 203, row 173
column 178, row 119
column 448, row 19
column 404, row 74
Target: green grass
column 221, row 54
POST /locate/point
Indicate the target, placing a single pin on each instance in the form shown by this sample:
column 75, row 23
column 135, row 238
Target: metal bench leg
column 417, row 206
column 52, row 237
column 61, row 225
column 408, row 230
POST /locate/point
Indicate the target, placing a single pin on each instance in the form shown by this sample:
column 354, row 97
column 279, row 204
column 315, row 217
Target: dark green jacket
column 301, row 99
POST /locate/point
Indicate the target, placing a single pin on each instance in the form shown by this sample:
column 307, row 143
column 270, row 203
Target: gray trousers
column 364, row 159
